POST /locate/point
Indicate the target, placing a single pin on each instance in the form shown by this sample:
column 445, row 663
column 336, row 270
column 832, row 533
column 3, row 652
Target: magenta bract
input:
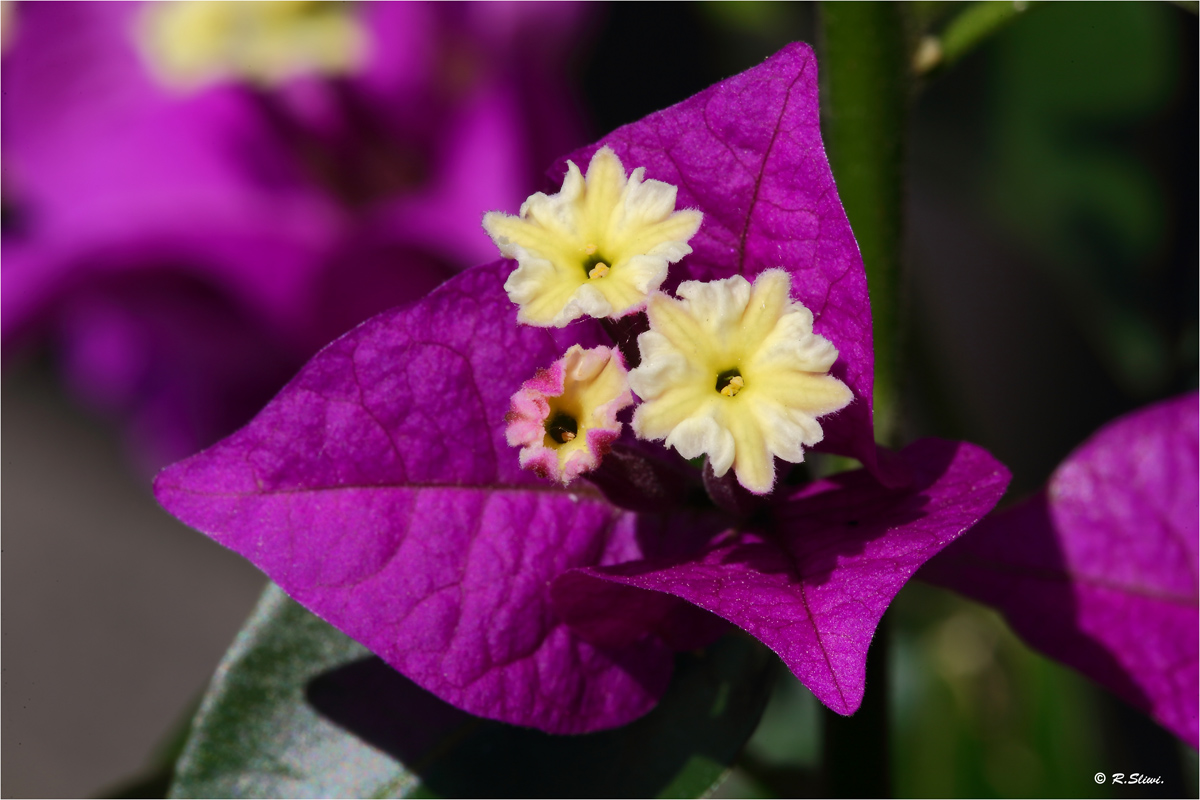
column 378, row 490
column 1099, row 569
column 813, row 584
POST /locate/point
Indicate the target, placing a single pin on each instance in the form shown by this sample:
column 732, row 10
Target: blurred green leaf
column 298, row 709
column 752, row 15
column 256, row 736
column 783, row 758
column 1077, row 88
column 978, row 714
column 923, row 15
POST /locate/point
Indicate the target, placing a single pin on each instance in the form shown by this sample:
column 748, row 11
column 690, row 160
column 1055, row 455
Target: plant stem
column 854, row 750
column 864, row 80
column 976, row 23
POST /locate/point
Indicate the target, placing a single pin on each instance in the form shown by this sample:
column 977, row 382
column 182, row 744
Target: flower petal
column 753, row 464
column 565, row 417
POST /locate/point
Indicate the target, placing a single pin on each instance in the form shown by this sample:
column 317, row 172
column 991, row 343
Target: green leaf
column 298, row 709
column 256, row 736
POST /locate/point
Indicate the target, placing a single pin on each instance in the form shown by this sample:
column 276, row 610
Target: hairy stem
column 864, row 86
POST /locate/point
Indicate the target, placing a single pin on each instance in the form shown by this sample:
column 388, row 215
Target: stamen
column 730, row 382
column 598, row 271
column 562, row 428
column 590, row 249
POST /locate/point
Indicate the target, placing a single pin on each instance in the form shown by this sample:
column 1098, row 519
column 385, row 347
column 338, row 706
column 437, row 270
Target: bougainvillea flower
column 597, row 248
column 564, row 418
column 735, row 372
column 1099, row 568
column 194, row 41
column 380, row 491
column 176, row 212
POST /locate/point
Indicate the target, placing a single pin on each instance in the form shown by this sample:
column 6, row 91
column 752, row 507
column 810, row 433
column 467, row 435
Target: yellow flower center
column 192, row 43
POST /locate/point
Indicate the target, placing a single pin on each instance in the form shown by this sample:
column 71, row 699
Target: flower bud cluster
column 729, row 369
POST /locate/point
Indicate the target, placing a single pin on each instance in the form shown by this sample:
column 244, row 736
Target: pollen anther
column 599, row 271
column 562, row 428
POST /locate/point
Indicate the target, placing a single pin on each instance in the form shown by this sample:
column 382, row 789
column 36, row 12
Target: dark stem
column 624, row 333
column 636, row 477
column 855, row 760
column 729, row 495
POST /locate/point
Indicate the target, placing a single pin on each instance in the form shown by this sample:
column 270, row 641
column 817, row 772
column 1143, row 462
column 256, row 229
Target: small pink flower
column 564, row 418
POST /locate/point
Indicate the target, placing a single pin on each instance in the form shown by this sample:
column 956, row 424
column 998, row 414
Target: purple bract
column 1099, row 570
column 378, row 489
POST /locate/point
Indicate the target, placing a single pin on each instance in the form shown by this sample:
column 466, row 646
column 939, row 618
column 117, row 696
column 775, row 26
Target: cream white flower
column 599, row 247
column 564, row 418
column 735, row 371
column 193, row 42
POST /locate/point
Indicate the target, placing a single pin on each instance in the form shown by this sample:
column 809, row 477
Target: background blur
column 1051, row 285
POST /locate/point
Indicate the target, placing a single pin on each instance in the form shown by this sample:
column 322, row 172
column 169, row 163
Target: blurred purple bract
column 185, row 249
column 1098, row 570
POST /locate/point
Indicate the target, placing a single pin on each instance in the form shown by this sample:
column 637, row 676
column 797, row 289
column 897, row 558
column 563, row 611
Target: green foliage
column 298, row 709
column 978, row 714
column 1074, row 87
